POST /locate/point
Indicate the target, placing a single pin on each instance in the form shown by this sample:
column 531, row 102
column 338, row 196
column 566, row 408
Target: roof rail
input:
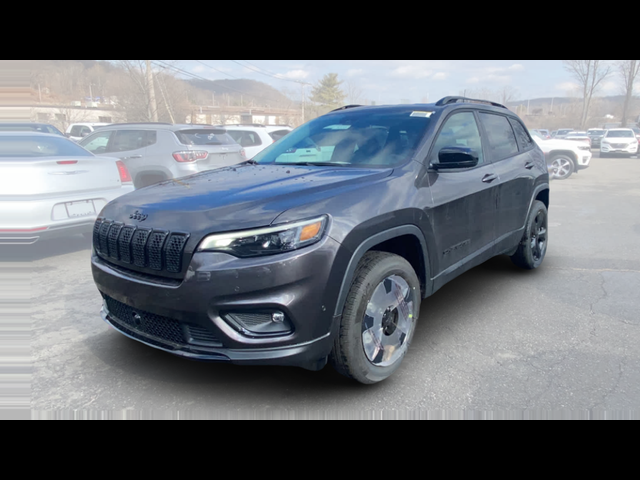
column 450, row 100
column 345, row 107
column 245, row 125
column 133, row 123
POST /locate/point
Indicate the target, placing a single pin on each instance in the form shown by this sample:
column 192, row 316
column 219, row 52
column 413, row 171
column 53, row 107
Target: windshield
column 620, row 134
column 39, row 146
column 204, row 137
column 362, row 138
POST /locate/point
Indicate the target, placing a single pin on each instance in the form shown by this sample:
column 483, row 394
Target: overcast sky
column 392, row 81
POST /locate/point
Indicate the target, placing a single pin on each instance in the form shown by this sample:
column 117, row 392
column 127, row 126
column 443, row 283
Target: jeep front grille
column 157, row 250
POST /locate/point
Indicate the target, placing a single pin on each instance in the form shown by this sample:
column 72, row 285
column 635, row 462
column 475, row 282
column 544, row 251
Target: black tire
column 529, row 256
column 146, row 180
column 569, row 167
column 348, row 356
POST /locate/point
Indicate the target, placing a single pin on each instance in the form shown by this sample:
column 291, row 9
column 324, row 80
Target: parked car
column 301, row 264
column 255, row 138
column 30, row 127
column 544, row 133
column 579, row 137
column 619, row 141
column 52, row 187
column 563, row 132
column 565, row 157
column 154, row 152
column 77, row 131
column 596, row 135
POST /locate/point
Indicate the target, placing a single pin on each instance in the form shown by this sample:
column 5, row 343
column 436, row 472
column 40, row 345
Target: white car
column 51, row 187
column 255, row 138
column 564, row 157
column 619, row 141
column 77, row 131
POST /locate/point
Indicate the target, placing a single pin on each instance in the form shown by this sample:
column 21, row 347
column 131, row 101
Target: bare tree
column 507, row 94
column 355, row 94
column 589, row 74
column 628, row 71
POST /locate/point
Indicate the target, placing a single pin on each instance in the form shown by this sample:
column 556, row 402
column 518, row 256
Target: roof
column 31, row 134
column 446, row 102
column 24, row 124
column 158, row 126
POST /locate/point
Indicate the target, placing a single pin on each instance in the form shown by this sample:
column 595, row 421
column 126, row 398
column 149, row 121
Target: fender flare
column 372, row 241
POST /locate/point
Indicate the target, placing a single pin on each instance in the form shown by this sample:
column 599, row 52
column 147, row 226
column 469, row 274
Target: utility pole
column 166, row 103
column 551, row 111
column 153, row 107
column 302, row 87
column 90, row 92
column 39, row 93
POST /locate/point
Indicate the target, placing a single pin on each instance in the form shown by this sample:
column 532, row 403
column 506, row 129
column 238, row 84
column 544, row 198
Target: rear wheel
column 145, row 180
column 378, row 320
column 533, row 245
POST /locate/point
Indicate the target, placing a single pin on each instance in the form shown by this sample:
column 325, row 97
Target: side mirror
column 456, row 157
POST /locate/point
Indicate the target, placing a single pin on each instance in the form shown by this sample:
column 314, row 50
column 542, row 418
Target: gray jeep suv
column 154, row 152
column 322, row 247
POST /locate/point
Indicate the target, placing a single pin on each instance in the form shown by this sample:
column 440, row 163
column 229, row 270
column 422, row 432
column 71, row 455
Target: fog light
column 257, row 324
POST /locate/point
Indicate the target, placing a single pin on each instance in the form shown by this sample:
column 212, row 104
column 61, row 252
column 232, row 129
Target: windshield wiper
column 251, row 162
column 319, row 164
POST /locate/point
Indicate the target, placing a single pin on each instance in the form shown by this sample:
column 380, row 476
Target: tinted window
column 524, row 140
column 53, row 130
column 39, row 146
column 362, row 138
column 460, row 130
column 279, row 134
column 85, row 130
column 76, row 131
column 125, row 140
column 204, row 137
column 96, row 143
column 502, row 140
column 246, row 139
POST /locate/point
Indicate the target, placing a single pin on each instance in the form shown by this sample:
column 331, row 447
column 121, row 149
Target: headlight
column 584, row 147
column 267, row 241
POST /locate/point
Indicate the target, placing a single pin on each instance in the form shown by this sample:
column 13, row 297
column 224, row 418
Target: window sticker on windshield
column 421, row 114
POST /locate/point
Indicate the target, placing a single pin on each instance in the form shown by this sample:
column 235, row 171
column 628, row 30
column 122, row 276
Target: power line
column 269, row 74
column 193, row 75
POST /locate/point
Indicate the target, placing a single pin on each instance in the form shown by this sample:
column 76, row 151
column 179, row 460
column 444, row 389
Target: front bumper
column 584, row 159
column 630, row 150
column 190, row 318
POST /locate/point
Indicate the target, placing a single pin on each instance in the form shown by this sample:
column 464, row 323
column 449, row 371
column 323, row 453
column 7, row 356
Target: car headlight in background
column 267, row 241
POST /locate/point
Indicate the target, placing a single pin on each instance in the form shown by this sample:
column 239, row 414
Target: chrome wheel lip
column 388, row 321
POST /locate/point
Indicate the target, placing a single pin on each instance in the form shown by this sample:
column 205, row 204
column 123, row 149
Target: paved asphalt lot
column 566, row 336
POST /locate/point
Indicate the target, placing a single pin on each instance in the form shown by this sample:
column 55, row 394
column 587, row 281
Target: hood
column 235, row 198
column 546, row 145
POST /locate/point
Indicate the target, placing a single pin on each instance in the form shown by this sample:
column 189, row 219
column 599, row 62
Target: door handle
column 132, row 156
column 489, row 178
column 529, row 165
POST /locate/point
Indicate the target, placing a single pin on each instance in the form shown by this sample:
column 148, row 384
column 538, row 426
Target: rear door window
column 524, row 140
column 502, row 140
column 125, row 140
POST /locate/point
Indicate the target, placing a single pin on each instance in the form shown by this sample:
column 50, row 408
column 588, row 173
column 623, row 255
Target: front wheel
column 533, row 245
column 378, row 320
column 563, row 166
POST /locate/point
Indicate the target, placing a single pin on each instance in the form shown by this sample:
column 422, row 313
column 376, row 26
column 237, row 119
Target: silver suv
column 154, row 152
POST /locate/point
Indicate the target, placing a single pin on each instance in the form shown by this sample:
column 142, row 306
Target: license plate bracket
column 83, row 208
